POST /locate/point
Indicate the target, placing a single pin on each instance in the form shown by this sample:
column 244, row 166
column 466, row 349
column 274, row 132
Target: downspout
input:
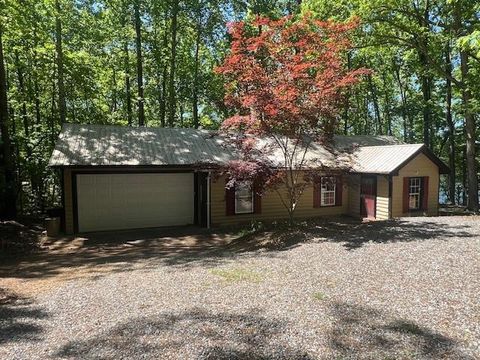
column 208, row 200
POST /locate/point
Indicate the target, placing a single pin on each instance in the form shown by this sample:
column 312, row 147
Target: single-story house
column 136, row 177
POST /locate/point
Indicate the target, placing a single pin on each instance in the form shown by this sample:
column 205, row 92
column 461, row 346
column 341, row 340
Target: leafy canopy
column 287, row 77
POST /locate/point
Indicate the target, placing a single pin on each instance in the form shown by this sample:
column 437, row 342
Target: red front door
column 368, row 195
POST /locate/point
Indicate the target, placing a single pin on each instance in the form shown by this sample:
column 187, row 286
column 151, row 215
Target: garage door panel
column 123, row 201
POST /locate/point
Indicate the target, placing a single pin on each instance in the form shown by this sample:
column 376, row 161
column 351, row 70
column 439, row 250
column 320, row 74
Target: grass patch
column 318, row 296
column 237, row 274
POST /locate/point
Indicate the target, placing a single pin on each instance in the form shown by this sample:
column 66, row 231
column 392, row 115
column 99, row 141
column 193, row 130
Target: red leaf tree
column 285, row 79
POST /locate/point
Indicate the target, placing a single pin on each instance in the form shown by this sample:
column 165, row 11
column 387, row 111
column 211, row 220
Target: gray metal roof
column 383, row 159
column 119, row 145
column 106, row 145
column 342, row 141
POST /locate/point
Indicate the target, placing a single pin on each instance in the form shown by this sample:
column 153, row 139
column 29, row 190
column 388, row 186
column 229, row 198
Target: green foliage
column 98, row 38
column 405, row 44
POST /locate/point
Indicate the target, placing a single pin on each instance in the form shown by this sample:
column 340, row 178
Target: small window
column 243, row 198
column 415, row 193
column 327, row 188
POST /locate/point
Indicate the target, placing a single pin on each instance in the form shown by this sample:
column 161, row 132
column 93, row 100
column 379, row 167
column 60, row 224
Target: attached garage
column 129, row 201
column 122, row 177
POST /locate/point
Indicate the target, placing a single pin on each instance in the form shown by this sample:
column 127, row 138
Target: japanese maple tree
column 285, row 79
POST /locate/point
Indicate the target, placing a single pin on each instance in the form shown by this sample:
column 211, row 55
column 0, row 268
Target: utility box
column 53, row 226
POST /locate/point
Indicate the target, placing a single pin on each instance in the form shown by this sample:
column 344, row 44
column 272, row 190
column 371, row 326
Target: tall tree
column 138, row 41
column 458, row 11
column 172, row 104
column 126, row 61
column 450, row 124
column 10, row 189
column 62, row 105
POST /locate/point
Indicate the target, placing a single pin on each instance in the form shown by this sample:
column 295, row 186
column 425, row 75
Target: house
column 136, row 177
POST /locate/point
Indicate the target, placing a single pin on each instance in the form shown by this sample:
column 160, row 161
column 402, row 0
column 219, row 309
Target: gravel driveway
column 401, row 289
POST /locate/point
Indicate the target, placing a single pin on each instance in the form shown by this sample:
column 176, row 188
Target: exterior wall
column 383, row 200
column 272, row 207
column 68, row 200
column 421, row 165
column 353, row 182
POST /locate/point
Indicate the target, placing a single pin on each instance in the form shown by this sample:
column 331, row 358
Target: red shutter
column 257, row 200
column 406, row 185
column 425, row 193
column 316, row 192
column 338, row 191
column 230, row 200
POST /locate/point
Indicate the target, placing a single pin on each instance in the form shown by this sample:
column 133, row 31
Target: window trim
column 419, row 193
column 251, row 197
column 334, row 191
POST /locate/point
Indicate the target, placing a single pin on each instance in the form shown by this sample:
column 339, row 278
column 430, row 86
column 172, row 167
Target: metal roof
column 383, row 159
column 342, row 141
column 107, row 145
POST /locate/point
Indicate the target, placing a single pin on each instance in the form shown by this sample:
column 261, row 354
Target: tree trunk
column 451, row 126
column 472, row 179
column 427, row 95
column 196, row 121
column 138, row 39
column 376, row 107
column 346, row 103
column 62, row 107
column 126, row 67
column 163, row 87
column 470, row 130
column 26, row 128
column 403, row 98
column 36, row 88
column 128, row 91
column 171, row 81
column 9, row 207
column 23, row 95
column 387, row 107
column 114, row 89
column 425, row 77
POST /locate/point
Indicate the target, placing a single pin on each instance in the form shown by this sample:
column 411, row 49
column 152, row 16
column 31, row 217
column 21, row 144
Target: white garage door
column 129, row 201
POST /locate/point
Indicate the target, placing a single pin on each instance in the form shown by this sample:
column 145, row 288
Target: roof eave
column 442, row 167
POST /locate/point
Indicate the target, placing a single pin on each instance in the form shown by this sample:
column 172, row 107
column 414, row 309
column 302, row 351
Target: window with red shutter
column 415, row 193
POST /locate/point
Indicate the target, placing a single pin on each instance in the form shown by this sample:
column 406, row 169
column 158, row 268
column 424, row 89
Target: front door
column 368, row 195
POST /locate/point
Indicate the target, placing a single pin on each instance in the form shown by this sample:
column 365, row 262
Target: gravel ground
column 388, row 290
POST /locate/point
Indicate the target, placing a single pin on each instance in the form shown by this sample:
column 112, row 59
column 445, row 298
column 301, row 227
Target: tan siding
column 272, row 207
column 68, row 197
column 421, row 165
column 382, row 203
column 353, row 182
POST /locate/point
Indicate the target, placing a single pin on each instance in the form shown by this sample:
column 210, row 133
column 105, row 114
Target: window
column 414, row 193
column 327, row 191
column 243, row 198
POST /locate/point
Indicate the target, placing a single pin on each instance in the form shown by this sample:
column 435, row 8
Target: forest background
column 151, row 63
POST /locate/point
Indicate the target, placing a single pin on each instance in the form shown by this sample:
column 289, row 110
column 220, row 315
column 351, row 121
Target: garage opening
column 136, row 200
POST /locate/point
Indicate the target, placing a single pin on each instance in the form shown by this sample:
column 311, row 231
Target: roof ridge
column 135, row 127
column 391, row 145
